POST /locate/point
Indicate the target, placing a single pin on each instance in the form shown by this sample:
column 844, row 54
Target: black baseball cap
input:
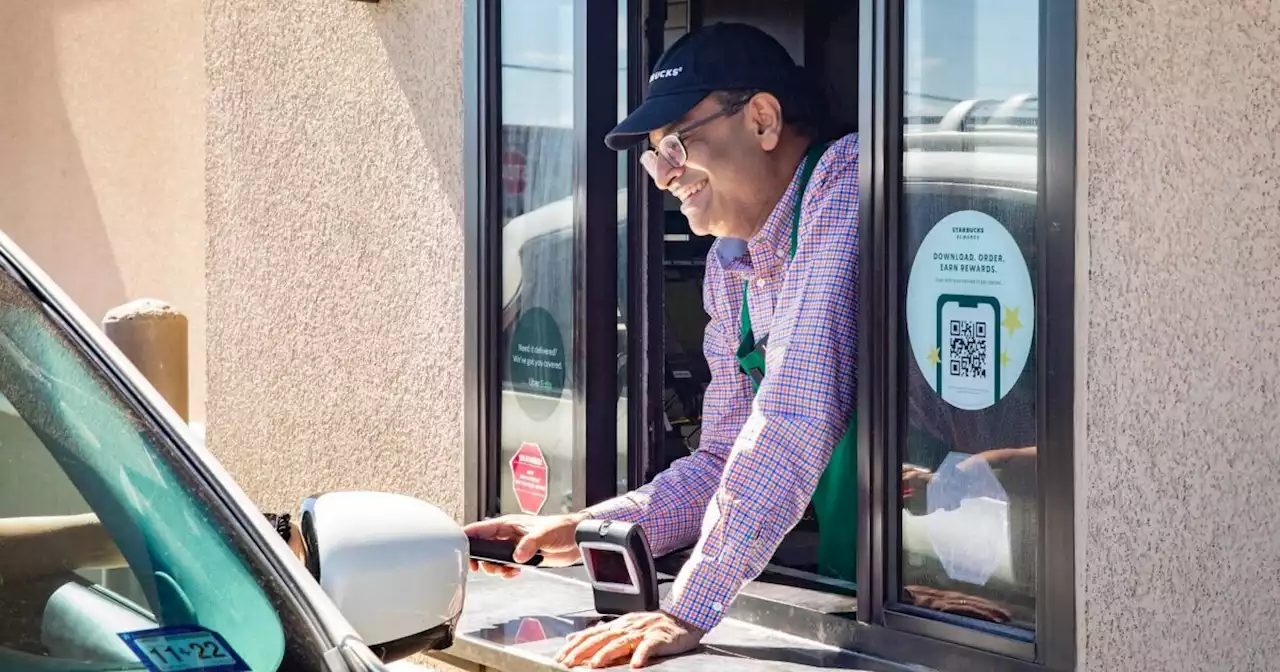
column 717, row 57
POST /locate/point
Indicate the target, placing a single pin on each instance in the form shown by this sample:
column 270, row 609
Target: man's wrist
column 696, row 617
column 682, row 623
column 608, row 509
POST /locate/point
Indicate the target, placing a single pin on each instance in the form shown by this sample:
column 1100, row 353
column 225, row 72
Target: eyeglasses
column 671, row 147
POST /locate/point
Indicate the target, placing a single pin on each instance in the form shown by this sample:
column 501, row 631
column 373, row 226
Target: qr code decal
column 968, row 352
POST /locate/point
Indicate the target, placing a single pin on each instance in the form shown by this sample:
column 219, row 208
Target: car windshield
column 109, row 560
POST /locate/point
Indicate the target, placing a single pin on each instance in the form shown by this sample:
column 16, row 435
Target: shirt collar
column 773, row 241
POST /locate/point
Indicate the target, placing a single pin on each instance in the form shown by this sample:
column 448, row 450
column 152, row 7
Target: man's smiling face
column 726, row 160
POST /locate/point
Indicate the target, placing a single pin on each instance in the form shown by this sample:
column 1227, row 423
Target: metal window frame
column 595, row 216
column 482, row 99
column 645, row 277
column 897, row 629
column 595, row 272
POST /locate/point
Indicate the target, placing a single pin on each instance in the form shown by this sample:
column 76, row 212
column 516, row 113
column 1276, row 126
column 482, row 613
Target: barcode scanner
column 499, row 552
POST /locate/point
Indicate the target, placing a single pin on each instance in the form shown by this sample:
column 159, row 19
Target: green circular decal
column 537, row 356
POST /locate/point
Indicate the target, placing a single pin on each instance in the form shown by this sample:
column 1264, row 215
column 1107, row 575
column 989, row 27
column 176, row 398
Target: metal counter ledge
column 518, row 625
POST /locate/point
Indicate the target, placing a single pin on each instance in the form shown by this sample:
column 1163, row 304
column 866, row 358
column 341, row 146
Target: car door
column 116, row 553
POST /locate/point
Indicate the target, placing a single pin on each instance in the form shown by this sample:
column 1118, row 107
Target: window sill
column 788, row 606
column 518, row 625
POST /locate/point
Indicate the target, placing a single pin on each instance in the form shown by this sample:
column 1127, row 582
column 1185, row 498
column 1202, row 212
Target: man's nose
column 665, row 175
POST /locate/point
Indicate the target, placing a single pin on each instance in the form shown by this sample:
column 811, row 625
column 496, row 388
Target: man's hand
column 639, row 637
column 550, row 535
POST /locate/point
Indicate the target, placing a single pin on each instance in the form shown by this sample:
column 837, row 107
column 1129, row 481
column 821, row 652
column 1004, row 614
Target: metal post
column 153, row 335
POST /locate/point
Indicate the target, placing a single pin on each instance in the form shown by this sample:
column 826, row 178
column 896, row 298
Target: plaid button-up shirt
column 760, row 456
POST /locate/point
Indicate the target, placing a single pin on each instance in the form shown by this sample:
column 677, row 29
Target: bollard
column 153, row 335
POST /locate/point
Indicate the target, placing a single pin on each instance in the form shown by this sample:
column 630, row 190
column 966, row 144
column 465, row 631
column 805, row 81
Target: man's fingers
column 585, row 648
column 498, row 570
column 528, row 546
column 637, row 638
column 496, row 528
column 643, row 653
column 569, row 654
column 654, row 644
column 575, row 637
column 602, row 626
column 618, row 647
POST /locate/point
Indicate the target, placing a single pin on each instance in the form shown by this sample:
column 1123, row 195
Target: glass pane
column 86, row 488
column 537, row 256
column 970, row 518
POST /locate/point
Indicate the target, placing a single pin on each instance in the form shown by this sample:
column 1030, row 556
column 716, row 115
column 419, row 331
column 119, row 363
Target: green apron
column 836, row 500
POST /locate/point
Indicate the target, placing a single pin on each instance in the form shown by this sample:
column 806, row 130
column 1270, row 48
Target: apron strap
column 750, row 356
column 835, row 501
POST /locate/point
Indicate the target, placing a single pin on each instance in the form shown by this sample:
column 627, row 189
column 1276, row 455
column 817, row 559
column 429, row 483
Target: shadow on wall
column 47, row 203
column 414, row 35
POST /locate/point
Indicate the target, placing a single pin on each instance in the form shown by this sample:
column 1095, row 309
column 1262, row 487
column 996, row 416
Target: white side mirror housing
column 395, row 566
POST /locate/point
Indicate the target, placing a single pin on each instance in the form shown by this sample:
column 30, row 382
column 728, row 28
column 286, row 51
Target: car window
column 108, row 560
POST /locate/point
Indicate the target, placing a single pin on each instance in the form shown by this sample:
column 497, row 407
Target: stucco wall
column 1181, row 533
column 334, row 196
column 102, row 152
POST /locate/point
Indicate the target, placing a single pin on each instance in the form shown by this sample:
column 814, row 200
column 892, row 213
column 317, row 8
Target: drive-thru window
column 584, row 342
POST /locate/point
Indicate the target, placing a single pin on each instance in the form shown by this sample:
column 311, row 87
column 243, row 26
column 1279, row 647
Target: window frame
column 881, row 33
column 596, row 264
column 481, row 272
column 879, row 626
column 645, row 246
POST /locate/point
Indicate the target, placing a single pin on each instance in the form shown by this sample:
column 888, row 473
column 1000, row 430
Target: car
column 125, row 545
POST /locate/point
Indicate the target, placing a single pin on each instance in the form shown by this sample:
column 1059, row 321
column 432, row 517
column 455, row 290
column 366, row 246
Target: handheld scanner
column 499, row 552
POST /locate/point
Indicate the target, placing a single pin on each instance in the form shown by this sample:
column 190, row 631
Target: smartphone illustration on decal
column 968, row 333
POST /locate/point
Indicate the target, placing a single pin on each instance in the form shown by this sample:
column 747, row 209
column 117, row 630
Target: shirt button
column 762, row 282
column 717, row 607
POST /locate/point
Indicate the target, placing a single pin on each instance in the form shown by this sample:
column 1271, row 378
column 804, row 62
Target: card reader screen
column 609, row 566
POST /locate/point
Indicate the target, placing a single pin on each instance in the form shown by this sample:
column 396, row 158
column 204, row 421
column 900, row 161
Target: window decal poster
column 970, row 310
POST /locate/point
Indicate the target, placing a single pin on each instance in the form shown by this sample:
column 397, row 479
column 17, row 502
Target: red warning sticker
column 529, row 478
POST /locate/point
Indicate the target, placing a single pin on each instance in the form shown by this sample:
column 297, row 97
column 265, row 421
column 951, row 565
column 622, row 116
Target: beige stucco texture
column 102, row 152
column 1182, row 513
column 334, row 189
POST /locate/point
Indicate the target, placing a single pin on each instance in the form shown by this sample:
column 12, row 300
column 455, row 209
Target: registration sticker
column 183, row 648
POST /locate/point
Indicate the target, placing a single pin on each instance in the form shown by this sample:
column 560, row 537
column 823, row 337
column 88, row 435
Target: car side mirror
column 395, row 566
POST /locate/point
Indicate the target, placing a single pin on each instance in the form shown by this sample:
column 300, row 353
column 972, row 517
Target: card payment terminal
column 619, row 565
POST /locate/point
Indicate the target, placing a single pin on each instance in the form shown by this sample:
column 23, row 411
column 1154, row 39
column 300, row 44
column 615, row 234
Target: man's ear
column 763, row 115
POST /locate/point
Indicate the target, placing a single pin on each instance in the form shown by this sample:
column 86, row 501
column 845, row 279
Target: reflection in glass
column 536, row 342
column 970, row 518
